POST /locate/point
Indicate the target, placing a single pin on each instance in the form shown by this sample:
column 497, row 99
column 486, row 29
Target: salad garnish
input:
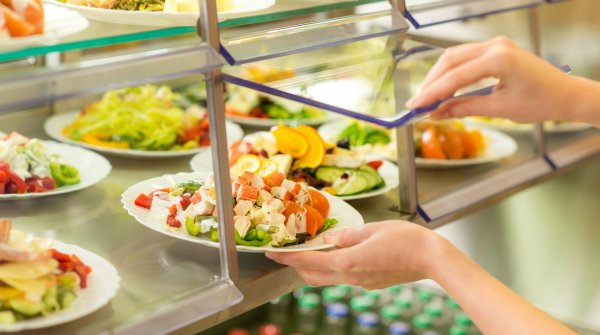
column 269, row 210
column 35, row 280
column 26, row 166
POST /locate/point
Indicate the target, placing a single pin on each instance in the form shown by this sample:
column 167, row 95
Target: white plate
column 268, row 123
column 499, row 146
column 91, row 166
column 103, row 283
column 202, row 163
column 159, row 19
column 526, row 128
column 54, row 125
column 346, row 214
column 58, row 22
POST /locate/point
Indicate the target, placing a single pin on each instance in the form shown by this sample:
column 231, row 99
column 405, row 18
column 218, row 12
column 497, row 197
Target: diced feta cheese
column 302, row 197
column 263, row 196
column 242, row 207
column 241, row 224
column 343, row 158
column 288, row 184
column 207, row 224
column 280, row 193
column 275, row 219
column 209, row 194
column 258, row 181
column 203, row 208
column 291, row 225
column 257, row 216
column 273, row 206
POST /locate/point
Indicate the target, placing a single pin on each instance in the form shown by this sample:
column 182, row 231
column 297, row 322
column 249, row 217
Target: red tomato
column 431, row 148
column 319, row 202
column 144, row 201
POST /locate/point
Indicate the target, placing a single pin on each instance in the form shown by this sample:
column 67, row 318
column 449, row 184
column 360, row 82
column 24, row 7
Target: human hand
column 375, row 255
column 529, row 89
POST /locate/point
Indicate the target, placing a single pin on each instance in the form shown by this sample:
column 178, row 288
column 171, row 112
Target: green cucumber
column 356, row 183
column 374, row 174
column 329, row 173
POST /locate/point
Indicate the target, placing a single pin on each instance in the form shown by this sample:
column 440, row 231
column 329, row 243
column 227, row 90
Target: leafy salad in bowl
column 268, row 211
column 27, row 166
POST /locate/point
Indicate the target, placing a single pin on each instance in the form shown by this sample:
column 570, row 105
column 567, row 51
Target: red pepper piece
column 59, row 256
column 376, row 164
column 173, row 210
column 2, row 188
column 173, row 222
column 82, row 273
column 3, row 177
column 65, row 266
column 144, row 201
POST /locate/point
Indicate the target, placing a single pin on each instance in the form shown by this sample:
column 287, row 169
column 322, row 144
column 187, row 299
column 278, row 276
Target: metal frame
column 209, row 31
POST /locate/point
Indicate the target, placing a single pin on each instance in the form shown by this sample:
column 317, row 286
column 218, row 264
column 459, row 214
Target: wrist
column 441, row 254
column 582, row 101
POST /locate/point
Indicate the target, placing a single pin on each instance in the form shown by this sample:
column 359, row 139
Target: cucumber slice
column 356, row 183
column 329, row 173
column 368, row 169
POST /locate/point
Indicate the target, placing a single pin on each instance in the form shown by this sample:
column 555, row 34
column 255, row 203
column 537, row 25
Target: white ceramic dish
column 54, row 125
column 159, row 19
column 58, row 23
column 92, row 169
column 202, row 162
column 499, row 146
column 346, row 214
column 103, row 284
column 526, row 128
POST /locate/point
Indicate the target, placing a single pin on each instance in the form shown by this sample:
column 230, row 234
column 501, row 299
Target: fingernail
column 269, row 255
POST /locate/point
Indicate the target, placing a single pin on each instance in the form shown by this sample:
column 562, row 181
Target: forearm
column 494, row 308
column 583, row 101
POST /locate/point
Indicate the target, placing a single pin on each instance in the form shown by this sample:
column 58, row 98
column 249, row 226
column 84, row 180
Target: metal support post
column 209, row 31
column 407, row 172
column 539, row 138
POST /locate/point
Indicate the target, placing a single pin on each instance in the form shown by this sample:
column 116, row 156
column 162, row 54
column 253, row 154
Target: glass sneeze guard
column 101, row 33
column 424, row 13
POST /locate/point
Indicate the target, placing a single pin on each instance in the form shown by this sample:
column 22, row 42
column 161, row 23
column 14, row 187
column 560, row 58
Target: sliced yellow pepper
column 98, row 140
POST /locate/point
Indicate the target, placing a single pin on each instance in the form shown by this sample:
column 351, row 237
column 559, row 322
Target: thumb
column 345, row 238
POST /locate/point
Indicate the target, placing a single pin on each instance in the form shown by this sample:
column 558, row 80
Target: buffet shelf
column 186, row 293
column 102, row 34
column 96, row 75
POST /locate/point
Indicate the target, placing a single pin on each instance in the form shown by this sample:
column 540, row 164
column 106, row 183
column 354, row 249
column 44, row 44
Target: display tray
column 159, row 19
column 92, row 169
column 59, row 22
column 343, row 212
column 54, row 125
column 103, row 283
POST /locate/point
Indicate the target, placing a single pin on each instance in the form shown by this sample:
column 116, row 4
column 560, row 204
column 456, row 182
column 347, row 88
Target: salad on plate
column 269, row 211
column 148, row 118
column 302, row 155
column 36, row 280
column 27, row 166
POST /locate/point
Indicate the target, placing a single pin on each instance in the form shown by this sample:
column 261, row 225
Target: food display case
column 354, row 59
